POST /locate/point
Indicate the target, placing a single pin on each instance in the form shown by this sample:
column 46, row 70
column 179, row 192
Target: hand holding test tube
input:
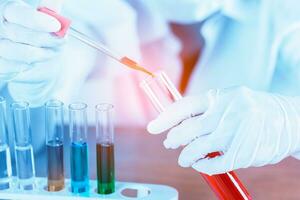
column 162, row 92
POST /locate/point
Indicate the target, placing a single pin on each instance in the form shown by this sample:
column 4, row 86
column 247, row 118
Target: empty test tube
column 5, row 160
column 79, row 147
column 54, row 143
column 105, row 149
column 23, row 146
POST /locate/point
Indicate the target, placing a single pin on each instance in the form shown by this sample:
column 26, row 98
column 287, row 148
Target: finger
column 37, row 84
column 233, row 137
column 199, row 148
column 24, row 53
column 246, row 142
column 28, row 17
column 190, row 129
column 212, row 166
column 10, row 69
column 24, row 35
column 40, row 72
column 177, row 112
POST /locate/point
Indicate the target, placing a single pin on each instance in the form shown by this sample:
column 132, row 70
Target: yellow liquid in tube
column 133, row 65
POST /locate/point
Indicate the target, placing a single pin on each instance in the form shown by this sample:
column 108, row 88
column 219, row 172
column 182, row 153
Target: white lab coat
column 249, row 43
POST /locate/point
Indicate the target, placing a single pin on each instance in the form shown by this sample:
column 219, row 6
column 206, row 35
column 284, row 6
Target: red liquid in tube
column 161, row 91
column 226, row 186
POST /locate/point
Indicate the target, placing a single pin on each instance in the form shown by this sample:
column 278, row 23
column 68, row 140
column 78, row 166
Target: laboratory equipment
column 66, row 26
column 162, row 92
column 23, row 146
column 105, row 149
column 54, row 144
column 5, row 164
column 124, row 191
column 102, row 48
column 79, row 147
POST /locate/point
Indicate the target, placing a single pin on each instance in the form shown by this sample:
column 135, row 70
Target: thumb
column 26, row 16
column 177, row 112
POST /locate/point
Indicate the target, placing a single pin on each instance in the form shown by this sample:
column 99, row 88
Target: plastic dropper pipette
column 100, row 47
column 66, row 27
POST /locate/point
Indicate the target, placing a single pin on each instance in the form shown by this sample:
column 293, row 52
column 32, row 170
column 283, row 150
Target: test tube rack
column 141, row 190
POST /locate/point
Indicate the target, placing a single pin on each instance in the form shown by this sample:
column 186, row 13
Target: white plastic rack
column 124, row 190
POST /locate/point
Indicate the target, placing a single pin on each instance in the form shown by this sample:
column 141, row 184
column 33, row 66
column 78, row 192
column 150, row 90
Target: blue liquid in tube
column 5, row 167
column 25, row 167
column 79, row 167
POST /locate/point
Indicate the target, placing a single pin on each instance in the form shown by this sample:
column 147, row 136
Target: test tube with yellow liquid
column 54, row 144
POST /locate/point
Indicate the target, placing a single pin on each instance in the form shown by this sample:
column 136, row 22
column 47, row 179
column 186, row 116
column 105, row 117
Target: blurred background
column 139, row 30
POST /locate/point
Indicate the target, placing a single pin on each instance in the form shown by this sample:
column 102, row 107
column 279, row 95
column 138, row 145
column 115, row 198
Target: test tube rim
column 81, row 106
column 54, row 103
column 150, row 79
column 103, row 107
column 19, row 105
column 144, row 84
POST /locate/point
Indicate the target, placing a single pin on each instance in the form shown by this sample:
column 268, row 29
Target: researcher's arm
column 28, row 52
column 251, row 129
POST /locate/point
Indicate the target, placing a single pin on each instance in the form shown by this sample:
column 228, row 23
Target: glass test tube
column 23, row 146
column 54, row 143
column 162, row 92
column 5, row 160
column 105, row 149
column 79, row 147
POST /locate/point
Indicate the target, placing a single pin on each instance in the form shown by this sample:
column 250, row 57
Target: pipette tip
column 133, row 65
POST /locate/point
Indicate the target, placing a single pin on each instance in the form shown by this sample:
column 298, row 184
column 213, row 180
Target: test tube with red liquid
column 162, row 92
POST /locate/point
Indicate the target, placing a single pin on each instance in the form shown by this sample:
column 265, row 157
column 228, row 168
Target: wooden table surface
column 140, row 157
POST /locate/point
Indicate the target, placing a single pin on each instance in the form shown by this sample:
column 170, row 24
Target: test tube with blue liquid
column 23, row 146
column 105, row 149
column 5, row 160
column 79, row 147
column 54, row 142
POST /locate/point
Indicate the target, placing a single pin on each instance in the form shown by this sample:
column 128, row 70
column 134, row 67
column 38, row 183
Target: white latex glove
column 251, row 129
column 25, row 38
column 29, row 53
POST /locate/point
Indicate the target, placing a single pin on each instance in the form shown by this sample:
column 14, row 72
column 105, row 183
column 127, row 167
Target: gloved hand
column 251, row 129
column 28, row 51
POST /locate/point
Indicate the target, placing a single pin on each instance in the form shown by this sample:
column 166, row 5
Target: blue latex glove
column 251, row 129
column 28, row 51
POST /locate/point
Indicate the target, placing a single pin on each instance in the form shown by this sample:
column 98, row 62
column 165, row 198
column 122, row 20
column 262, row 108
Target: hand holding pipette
column 52, row 9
